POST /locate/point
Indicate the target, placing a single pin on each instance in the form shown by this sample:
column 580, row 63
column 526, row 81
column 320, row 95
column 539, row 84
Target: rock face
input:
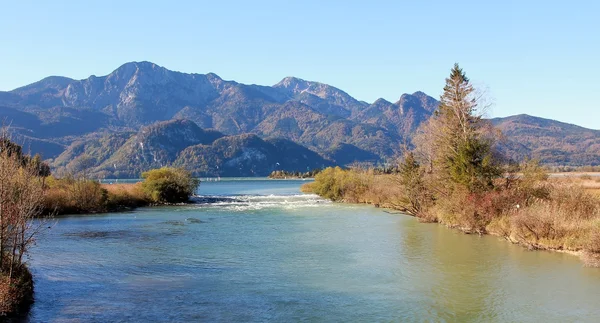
column 52, row 115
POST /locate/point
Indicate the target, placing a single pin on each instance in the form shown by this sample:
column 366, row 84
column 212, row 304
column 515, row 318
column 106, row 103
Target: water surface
column 262, row 251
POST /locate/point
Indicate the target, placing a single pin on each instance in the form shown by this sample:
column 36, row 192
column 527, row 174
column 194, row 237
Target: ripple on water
column 259, row 202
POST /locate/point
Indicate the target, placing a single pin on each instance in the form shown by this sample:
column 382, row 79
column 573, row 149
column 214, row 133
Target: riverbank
column 557, row 214
column 164, row 186
column 65, row 197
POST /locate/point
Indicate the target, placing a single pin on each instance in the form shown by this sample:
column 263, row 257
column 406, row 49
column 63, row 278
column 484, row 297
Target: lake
column 259, row 250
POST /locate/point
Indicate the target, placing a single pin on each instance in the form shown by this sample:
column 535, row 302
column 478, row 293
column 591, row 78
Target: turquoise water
column 262, row 251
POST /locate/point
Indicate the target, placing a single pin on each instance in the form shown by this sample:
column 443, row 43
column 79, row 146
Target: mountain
column 324, row 98
column 183, row 143
column 61, row 110
column 300, row 123
column 552, row 142
column 402, row 117
column 106, row 116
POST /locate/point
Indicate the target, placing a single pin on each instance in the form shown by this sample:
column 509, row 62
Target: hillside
column 183, row 143
column 551, row 141
column 61, row 110
column 57, row 116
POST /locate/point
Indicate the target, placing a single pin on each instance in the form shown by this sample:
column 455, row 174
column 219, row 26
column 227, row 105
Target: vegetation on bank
column 282, row 174
column 168, row 185
column 454, row 176
column 79, row 195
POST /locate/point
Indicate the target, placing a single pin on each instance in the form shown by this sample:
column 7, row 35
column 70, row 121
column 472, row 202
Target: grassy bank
column 78, row 196
column 83, row 196
column 532, row 210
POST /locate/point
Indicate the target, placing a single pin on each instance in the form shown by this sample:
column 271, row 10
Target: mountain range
column 143, row 115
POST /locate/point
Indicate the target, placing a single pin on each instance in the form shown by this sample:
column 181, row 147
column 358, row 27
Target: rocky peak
column 417, row 101
column 296, row 87
column 293, row 84
column 381, row 102
column 427, row 102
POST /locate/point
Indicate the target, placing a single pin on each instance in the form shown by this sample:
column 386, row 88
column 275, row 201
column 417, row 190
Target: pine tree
column 459, row 152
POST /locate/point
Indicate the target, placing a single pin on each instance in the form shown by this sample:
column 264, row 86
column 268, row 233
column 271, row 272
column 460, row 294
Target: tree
column 21, row 200
column 455, row 142
column 21, row 196
column 411, row 178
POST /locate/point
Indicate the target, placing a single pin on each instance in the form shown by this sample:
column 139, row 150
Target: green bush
column 169, row 185
column 328, row 183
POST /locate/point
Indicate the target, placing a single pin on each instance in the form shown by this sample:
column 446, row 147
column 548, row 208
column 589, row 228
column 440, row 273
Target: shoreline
column 578, row 253
column 564, row 221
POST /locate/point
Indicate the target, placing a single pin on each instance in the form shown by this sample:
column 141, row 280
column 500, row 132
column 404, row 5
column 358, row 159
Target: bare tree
column 21, row 200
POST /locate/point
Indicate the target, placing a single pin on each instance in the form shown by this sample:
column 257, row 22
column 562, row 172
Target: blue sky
column 534, row 57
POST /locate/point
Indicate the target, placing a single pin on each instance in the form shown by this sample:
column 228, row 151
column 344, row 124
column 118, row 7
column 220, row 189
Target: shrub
column 16, row 292
column 415, row 197
column 328, row 183
column 336, row 184
column 169, row 185
column 69, row 195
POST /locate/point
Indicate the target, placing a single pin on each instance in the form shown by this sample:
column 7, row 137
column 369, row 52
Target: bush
column 328, row 183
column 337, row 184
column 169, row 185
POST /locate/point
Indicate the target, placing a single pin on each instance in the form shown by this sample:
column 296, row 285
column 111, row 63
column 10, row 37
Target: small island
column 282, row 174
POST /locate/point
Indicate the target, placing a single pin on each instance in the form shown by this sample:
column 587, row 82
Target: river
column 259, row 250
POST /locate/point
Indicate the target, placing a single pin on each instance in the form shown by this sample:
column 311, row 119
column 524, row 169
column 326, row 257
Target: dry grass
column 125, row 195
column 128, row 188
column 69, row 196
column 587, row 181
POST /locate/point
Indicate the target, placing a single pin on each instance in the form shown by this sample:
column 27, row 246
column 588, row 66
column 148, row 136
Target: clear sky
column 534, row 57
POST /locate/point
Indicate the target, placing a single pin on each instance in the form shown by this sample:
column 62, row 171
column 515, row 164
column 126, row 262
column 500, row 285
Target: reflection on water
column 261, row 251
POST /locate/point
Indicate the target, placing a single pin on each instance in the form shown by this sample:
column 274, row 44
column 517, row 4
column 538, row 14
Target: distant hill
column 183, row 143
column 106, row 116
column 551, row 141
